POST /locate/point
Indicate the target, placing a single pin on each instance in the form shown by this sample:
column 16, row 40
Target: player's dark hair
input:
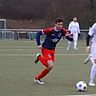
column 59, row 20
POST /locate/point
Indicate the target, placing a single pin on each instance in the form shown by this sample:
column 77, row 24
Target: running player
column 92, row 33
column 74, row 27
column 53, row 36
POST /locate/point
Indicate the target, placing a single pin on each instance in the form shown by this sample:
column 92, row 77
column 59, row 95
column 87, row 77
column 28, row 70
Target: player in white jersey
column 92, row 33
column 75, row 28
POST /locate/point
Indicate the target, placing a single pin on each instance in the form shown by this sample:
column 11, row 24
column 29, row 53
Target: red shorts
column 48, row 54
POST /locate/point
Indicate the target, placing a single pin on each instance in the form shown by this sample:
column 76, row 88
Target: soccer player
column 53, row 36
column 92, row 33
column 75, row 28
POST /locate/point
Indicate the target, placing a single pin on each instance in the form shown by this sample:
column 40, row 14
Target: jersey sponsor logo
column 53, row 34
column 59, row 35
column 55, row 40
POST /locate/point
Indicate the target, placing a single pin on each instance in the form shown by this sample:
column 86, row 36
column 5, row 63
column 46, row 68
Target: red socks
column 45, row 71
column 42, row 74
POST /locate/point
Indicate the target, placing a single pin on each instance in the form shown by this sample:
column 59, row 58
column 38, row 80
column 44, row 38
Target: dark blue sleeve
column 38, row 37
column 88, row 40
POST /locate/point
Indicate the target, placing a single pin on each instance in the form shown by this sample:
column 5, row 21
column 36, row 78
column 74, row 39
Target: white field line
column 81, row 95
column 15, row 49
column 11, row 47
column 35, row 54
column 78, row 95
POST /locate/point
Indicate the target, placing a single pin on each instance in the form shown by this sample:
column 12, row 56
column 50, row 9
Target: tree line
column 85, row 10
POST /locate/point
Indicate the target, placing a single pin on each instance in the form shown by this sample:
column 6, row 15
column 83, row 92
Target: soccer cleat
column 87, row 60
column 38, row 81
column 91, row 84
column 75, row 48
column 36, row 59
column 67, row 48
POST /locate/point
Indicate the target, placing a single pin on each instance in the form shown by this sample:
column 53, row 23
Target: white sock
column 93, row 72
column 75, row 44
column 69, row 43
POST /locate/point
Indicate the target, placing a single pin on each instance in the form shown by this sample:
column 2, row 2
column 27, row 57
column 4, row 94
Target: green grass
column 17, row 70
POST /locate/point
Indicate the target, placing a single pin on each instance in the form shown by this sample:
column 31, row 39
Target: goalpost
column 2, row 23
column 2, row 26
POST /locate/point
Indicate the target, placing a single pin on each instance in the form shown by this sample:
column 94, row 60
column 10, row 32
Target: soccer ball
column 81, row 86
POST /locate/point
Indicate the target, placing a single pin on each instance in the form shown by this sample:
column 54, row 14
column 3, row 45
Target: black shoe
column 36, row 59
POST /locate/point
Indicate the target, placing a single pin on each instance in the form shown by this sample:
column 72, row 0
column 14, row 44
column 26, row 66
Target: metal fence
column 30, row 34
column 17, row 34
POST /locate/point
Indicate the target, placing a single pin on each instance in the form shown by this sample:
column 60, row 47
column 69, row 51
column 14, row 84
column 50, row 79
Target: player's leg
column 42, row 58
column 75, row 38
column 36, row 59
column 44, row 72
column 68, row 47
column 87, row 59
column 41, row 75
column 92, row 75
column 47, row 61
column 93, row 68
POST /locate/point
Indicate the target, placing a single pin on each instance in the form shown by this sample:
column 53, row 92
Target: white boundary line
column 31, row 47
column 35, row 54
column 80, row 95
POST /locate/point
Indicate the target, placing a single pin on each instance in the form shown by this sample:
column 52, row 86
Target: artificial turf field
column 17, row 70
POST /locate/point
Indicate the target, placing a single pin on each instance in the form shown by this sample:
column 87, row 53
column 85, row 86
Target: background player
column 74, row 27
column 53, row 36
column 92, row 33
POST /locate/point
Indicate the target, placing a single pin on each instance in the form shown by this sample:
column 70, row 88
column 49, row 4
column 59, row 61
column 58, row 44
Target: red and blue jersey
column 52, row 37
